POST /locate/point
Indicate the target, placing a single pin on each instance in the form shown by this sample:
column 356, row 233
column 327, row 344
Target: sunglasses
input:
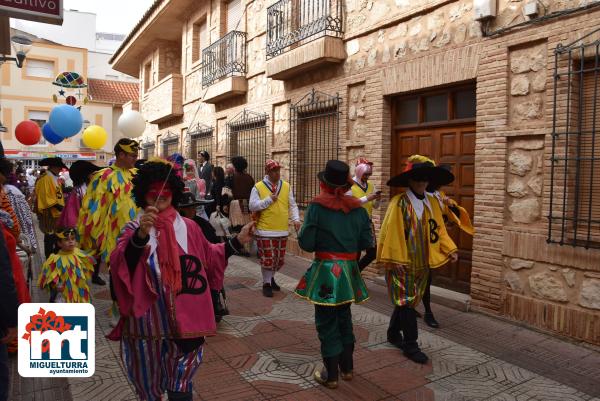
column 67, row 234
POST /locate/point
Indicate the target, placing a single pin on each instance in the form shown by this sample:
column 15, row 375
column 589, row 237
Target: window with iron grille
column 201, row 138
column 314, row 129
column 170, row 144
column 148, row 150
column 574, row 209
column 247, row 137
column 295, row 22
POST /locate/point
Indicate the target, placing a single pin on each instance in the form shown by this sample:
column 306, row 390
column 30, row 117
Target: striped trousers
column 157, row 366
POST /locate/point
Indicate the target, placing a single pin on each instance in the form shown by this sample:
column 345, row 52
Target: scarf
column 336, row 199
column 168, row 249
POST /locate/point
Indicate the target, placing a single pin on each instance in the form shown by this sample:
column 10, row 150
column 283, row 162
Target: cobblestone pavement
column 267, row 349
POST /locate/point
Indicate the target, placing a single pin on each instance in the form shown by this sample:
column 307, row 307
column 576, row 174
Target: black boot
column 394, row 336
column 430, row 320
column 274, row 285
column 267, row 290
column 347, row 362
column 180, row 396
column 96, row 279
column 328, row 376
column 217, row 306
column 410, row 331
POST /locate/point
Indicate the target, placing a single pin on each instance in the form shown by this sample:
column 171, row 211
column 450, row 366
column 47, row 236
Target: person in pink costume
column 163, row 269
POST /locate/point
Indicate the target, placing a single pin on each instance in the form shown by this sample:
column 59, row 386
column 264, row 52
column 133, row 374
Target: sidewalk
column 267, row 349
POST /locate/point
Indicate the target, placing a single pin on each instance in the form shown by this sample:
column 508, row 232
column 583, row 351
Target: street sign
column 48, row 11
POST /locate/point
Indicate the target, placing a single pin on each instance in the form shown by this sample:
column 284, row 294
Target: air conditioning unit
column 484, row 9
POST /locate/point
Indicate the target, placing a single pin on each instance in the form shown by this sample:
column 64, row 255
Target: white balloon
column 132, row 124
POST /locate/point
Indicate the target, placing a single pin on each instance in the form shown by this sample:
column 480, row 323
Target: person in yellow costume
column 272, row 202
column 369, row 199
column 412, row 240
column 107, row 206
column 49, row 200
column 452, row 213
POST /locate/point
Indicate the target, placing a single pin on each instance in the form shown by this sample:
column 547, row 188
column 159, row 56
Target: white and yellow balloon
column 132, row 124
column 94, row 137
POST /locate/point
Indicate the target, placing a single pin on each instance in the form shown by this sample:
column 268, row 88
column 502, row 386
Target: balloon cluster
column 66, row 121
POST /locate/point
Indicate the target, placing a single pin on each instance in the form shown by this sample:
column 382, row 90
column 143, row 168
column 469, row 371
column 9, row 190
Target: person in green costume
column 336, row 228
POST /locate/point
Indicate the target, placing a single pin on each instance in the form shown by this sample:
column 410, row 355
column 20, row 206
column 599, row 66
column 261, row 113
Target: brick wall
column 425, row 44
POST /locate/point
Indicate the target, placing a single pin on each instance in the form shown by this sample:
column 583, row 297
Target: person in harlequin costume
column 65, row 273
column 106, row 207
column 163, row 269
column 49, row 200
column 335, row 228
column 413, row 239
column 452, row 213
column 369, row 198
column 273, row 204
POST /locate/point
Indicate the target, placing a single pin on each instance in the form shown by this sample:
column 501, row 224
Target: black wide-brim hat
column 188, row 199
column 336, row 174
column 81, row 169
column 425, row 171
column 52, row 162
column 442, row 177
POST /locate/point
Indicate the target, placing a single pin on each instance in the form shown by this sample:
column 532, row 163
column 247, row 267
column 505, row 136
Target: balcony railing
column 291, row 22
column 224, row 58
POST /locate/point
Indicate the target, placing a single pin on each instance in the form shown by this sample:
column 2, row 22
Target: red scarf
column 168, row 249
column 336, row 199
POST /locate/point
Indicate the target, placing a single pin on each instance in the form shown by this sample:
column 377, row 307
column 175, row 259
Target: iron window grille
column 247, row 137
column 170, row 144
column 147, row 148
column 201, row 138
column 314, row 131
column 296, row 22
column 224, row 58
column 574, row 206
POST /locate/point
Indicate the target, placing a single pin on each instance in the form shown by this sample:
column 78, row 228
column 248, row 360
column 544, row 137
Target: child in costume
column 65, row 273
column 163, row 269
column 453, row 214
column 369, row 199
column 336, row 228
column 413, row 239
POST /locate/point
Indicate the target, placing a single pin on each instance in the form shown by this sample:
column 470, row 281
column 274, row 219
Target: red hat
column 271, row 165
column 363, row 160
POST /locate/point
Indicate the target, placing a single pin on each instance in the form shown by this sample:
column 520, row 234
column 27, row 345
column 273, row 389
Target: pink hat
column 363, row 160
column 271, row 165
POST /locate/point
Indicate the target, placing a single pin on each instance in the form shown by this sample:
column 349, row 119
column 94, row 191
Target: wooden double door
column 453, row 145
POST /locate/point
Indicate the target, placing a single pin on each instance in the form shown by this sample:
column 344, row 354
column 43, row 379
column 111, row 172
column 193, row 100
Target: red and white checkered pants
column 271, row 252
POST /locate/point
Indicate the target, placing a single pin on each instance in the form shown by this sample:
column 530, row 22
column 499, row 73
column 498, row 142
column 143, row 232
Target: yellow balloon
column 94, row 137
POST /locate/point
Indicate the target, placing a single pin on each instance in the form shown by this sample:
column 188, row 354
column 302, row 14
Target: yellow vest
column 276, row 216
column 358, row 192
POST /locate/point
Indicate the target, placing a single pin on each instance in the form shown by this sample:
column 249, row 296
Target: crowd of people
column 162, row 231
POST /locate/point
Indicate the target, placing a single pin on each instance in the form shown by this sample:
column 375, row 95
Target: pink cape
column 194, row 313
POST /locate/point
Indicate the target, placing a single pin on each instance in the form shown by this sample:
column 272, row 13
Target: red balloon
column 28, row 132
column 71, row 100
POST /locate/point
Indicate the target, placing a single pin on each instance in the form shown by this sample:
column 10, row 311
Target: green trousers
column 334, row 327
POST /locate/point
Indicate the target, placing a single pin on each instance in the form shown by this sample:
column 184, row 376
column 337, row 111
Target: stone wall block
column 518, row 264
column 517, row 189
column 525, row 210
column 590, row 294
column 547, row 286
column 519, row 85
column 520, row 163
column 535, row 183
column 513, row 281
column 569, row 275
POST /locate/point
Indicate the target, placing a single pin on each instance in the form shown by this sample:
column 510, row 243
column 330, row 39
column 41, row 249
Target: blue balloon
column 66, row 121
column 50, row 135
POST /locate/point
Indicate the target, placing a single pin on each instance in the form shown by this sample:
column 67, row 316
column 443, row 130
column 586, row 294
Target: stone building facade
column 384, row 79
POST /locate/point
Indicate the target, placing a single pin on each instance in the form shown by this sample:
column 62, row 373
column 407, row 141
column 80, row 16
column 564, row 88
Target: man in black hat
column 335, row 228
column 49, row 200
column 205, row 169
column 412, row 240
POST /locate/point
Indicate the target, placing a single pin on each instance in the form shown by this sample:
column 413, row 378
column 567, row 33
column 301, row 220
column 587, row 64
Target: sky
column 115, row 16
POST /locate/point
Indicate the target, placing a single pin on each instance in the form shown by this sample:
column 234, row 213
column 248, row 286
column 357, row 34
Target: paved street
column 267, row 349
